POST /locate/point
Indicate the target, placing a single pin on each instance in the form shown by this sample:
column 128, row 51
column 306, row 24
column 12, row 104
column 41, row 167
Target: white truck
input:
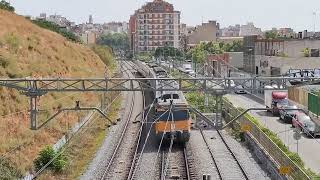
column 275, row 99
column 187, row 68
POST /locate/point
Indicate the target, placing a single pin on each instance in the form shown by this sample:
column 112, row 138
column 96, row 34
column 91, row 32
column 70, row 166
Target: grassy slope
column 29, row 51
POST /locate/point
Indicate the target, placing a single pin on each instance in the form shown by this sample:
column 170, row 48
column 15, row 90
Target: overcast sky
column 264, row 13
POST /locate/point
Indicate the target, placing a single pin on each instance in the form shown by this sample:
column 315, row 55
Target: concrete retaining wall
column 263, row 158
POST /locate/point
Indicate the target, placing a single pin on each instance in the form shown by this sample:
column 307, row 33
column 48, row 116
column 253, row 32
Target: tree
column 6, row 6
column 46, row 155
column 236, row 46
column 199, row 52
column 271, row 35
column 116, row 40
column 168, row 51
column 306, row 52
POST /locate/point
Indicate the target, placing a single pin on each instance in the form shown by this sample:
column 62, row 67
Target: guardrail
column 281, row 159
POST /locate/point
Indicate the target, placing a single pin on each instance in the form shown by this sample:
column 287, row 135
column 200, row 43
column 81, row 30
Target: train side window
column 175, row 96
column 166, row 96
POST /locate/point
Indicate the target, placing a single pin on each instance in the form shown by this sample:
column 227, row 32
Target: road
column 307, row 148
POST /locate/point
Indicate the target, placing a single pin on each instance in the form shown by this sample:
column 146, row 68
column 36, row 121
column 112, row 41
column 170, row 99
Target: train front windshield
column 180, row 115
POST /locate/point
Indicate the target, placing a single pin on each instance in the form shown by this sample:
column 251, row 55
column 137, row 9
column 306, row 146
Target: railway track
column 134, row 162
column 225, row 161
column 174, row 164
column 119, row 165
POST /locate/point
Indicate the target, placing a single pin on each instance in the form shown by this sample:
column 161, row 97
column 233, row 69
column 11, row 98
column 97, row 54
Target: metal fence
column 313, row 104
column 281, row 159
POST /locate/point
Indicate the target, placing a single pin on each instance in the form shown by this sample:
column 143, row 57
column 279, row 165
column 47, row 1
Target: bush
column 46, row 155
column 6, row 6
column 116, row 40
column 275, row 139
column 12, row 41
column 7, row 171
column 145, row 57
column 56, row 28
column 306, row 52
column 105, row 54
column 4, row 62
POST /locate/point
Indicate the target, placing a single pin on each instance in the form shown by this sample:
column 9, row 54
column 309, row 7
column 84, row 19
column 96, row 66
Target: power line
column 77, row 134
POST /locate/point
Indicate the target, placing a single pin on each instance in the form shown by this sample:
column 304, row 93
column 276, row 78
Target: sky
column 266, row 14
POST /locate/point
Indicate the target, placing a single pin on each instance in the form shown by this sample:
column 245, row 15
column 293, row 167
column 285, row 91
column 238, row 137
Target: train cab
column 173, row 117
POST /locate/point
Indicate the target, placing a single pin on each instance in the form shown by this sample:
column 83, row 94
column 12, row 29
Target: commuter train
column 171, row 107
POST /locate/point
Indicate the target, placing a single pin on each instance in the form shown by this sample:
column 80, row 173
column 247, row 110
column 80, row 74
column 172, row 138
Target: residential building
column 267, row 56
column 231, row 31
column 286, row 32
column 116, row 27
column 57, row 19
column 89, row 37
column 42, row 16
column 156, row 24
column 203, row 33
column 183, row 29
column 249, row 29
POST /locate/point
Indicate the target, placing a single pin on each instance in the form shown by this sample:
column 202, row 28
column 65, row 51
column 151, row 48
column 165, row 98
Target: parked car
column 287, row 115
column 240, row 90
column 311, row 129
column 299, row 120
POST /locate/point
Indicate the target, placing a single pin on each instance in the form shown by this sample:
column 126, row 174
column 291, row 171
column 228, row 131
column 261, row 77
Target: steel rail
column 165, row 163
column 230, row 151
column 233, row 155
column 211, row 154
column 138, row 140
column 186, row 162
column 115, row 152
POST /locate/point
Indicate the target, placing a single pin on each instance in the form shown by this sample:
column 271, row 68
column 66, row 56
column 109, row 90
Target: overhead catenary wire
column 162, row 137
column 146, row 140
column 12, row 114
column 49, row 103
column 28, row 143
column 132, row 172
column 77, row 134
column 54, row 101
column 170, row 147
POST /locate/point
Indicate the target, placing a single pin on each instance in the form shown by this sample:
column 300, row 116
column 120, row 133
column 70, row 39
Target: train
column 173, row 120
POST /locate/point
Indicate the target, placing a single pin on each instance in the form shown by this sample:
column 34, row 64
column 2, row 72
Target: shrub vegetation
column 56, row 28
column 6, row 6
column 46, row 155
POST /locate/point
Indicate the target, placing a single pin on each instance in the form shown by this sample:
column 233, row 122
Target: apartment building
column 249, row 30
column 89, row 37
column 156, row 24
column 203, row 33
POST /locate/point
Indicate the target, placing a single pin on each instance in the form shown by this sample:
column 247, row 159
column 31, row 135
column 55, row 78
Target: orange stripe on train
column 180, row 125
